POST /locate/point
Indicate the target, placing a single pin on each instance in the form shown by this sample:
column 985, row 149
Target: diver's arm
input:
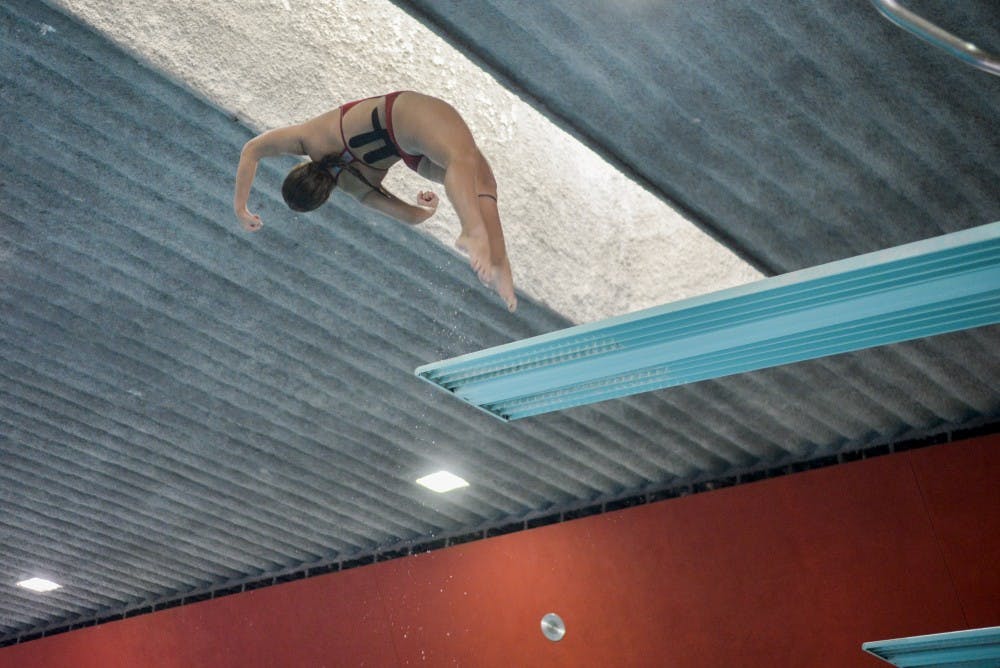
column 281, row 141
column 411, row 214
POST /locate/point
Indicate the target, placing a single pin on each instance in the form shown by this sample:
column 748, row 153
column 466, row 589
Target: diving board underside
column 939, row 285
column 975, row 648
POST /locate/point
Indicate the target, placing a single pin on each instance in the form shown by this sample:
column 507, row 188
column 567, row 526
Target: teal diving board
column 975, row 648
column 944, row 284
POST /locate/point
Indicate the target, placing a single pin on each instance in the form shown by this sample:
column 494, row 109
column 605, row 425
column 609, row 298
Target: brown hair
column 309, row 184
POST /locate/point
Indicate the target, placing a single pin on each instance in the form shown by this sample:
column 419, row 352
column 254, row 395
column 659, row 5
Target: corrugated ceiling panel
column 800, row 132
column 183, row 405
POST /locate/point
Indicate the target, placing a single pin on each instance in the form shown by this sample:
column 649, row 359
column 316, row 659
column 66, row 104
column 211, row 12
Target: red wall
column 792, row 571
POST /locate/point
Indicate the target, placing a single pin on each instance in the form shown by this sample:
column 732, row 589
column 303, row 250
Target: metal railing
column 925, row 30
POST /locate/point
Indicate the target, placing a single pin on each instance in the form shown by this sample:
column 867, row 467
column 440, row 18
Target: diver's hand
column 251, row 222
column 428, row 200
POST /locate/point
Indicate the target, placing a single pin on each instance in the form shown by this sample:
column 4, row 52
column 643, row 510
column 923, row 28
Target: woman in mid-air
column 354, row 145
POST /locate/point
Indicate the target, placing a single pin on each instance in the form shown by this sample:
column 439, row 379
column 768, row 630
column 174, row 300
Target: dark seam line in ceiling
column 422, row 546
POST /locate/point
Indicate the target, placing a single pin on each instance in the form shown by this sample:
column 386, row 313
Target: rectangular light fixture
column 974, row 648
column 38, row 584
column 929, row 287
column 442, row 481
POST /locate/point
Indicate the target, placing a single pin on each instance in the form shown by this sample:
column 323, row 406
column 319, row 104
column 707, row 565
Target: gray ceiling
column 184, row 407
column 799, row 132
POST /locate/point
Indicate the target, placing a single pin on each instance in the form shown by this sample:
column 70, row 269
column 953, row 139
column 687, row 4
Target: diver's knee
column 461, row 165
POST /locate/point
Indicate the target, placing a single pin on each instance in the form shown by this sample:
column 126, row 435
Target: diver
column 355, row 144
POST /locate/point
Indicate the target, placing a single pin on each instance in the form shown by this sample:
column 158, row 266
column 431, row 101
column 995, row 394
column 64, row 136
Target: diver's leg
column 497, row 274
column 501, row 278
column 460, row 186
column 430, row 127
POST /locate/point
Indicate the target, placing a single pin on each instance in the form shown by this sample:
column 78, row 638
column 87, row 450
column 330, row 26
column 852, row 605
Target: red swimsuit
column 386, row 135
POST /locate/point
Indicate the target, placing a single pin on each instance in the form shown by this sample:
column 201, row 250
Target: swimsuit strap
column 342, row 162
column 337, row 164
column 411, row 161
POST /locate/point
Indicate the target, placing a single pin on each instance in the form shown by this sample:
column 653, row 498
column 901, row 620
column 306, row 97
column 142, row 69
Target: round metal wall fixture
column 553, row 627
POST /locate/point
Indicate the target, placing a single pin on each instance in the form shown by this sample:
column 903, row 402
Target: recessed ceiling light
column 38, row 584
column 442, row 481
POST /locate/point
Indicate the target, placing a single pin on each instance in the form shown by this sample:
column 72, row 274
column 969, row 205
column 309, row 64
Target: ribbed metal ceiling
column 183, row 406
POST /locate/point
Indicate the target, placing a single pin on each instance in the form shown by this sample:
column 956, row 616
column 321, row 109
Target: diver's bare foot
column 503, row 282
column 477, row 246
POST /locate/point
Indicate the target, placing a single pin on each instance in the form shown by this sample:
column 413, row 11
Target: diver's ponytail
column 332, row 163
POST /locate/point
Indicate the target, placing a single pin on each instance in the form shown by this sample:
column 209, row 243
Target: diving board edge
column 979, row 243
